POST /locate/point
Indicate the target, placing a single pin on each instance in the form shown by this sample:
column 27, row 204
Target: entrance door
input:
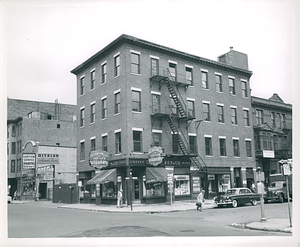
column 136, row 188
column 43, row 190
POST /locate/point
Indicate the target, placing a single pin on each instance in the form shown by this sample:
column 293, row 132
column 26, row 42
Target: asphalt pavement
column 277, row 225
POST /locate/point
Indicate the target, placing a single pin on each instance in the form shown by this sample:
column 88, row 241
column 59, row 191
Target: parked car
column 237, row 196
column 8, row 199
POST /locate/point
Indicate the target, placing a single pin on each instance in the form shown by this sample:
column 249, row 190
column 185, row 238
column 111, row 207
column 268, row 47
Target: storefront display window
column 182, row 184
column 211, row 183
column 224, row 182
column 93, row 191
column 154, row 189
column 109, row 190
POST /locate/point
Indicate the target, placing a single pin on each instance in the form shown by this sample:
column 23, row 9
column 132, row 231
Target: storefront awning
column 104, row 177
column 157, row 174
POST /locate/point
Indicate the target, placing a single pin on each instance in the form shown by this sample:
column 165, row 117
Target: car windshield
column 276, row 184
column 230, row 192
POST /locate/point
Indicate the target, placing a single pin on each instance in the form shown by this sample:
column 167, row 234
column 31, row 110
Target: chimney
column 235, row 59
column 56, row 110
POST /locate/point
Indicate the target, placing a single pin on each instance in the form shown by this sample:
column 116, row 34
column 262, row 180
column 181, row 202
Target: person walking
column 200, row 200
column 120, row 198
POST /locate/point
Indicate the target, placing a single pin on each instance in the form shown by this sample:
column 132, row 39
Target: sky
column 44, row 40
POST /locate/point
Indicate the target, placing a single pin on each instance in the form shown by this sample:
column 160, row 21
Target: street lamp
column 260, row 190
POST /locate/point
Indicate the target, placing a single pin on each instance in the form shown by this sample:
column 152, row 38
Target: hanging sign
column 98, row 159
column 28, row 161
column 155, row 156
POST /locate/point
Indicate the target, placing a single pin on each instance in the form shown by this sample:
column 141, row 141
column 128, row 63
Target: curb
column 269, row 229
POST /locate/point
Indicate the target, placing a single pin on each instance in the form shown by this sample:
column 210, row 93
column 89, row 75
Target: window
column 117, row 65
column 20, row 128
column 135, row 63
column 118, row 142
column 248, row 148
column 283, row 121
column 136, row 101
column 92, row 79
column 58, row 126
column 265, row 141
column 81, row 85
column 156, row 108
column 232, row 86
column 93, row 144
column 13, row 133
column 117, row 103
column 189, row 75
column 191, row 108
column 219, row 83
column 204, row 79
column 275, row 141
column 244, row 89
column 175, row 147
column 13, row 166
column 104, row 73
column 104, row 108
column 82, row 151
column 154, row 67
column 259, row 117
column 13, row 148
column 269, row 138
column 7, row 148
column 137, row 141
column 20, row 146
column 246, row 117
column 273, row 119
column 236, row 148
column 157, row 139
column 172, row 70
column 208, row 146
column 222, row 142
column 233, row 116
column 193, row 144
column 104, row 143
column 93, row 113
column 278, row 119
column 220, row 113
column 206, row 111
column 7, row 131
column 82, row 117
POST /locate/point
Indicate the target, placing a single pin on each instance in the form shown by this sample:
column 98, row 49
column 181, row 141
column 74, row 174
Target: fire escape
column 177, row 113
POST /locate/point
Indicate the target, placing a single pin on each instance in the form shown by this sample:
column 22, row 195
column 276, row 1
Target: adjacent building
column 41, row 147
column 162, row 120
column 272, row 123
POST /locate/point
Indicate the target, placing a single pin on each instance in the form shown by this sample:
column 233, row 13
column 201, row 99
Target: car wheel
column 280, row 198
column 254, row 202
column 234, row 203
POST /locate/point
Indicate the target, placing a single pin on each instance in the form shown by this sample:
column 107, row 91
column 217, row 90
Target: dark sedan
column 237, row 196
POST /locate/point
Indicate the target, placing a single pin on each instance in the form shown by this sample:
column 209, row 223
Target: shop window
column 182, row 185
column 237, row 177
column 109, row 190
column 154, row 189
column 211, row 183
column 223, row 182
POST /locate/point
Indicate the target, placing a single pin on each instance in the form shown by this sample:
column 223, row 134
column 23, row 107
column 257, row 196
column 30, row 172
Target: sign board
column 286, row 169
column 98, row 159
column 28, row 161
column 45, row 172
column 196, row 184
column 155, row 156
column 268, row 154
column 47, row 158
column 211, row 177
column 181, row 177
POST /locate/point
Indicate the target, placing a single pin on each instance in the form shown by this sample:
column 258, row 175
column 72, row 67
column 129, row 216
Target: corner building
column 133, row 95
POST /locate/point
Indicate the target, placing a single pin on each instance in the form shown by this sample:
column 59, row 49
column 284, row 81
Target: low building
column 44, row 136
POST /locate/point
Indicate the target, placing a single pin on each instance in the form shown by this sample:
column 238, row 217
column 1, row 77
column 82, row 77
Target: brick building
column 134, row 95
column 45, row 132
column 272, row 123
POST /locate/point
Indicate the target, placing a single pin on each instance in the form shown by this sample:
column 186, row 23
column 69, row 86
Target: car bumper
column 223, row 202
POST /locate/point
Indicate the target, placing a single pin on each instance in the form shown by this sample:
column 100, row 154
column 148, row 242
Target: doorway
column 43, row 190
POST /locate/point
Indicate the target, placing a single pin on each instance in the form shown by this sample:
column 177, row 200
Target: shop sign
column 47, row 158
column 119, row 179
column 211, row 177
column 98, row 159
column 181, row 177
column 268, row 154
column 137, row 161
column 46, row 172
column 29, row 173
column 117, row 162
column 196, row 184
column 155, row 156
column 28, row 161
column 176, row 162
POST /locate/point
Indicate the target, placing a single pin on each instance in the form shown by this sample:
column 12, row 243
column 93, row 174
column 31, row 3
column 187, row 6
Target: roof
column 148, row 45
column 274, row 102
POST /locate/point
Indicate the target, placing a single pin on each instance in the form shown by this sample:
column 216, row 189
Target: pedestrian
column 253, row 187
column 15, row 195
column 120, row 198
column 200, row 200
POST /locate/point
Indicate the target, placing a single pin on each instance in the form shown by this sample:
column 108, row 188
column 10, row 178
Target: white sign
column 268, row 154
column 28, row 161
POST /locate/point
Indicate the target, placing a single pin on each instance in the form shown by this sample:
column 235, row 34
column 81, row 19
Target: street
column 44, row 220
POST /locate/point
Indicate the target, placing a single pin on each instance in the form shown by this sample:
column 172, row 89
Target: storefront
column 218, row 179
